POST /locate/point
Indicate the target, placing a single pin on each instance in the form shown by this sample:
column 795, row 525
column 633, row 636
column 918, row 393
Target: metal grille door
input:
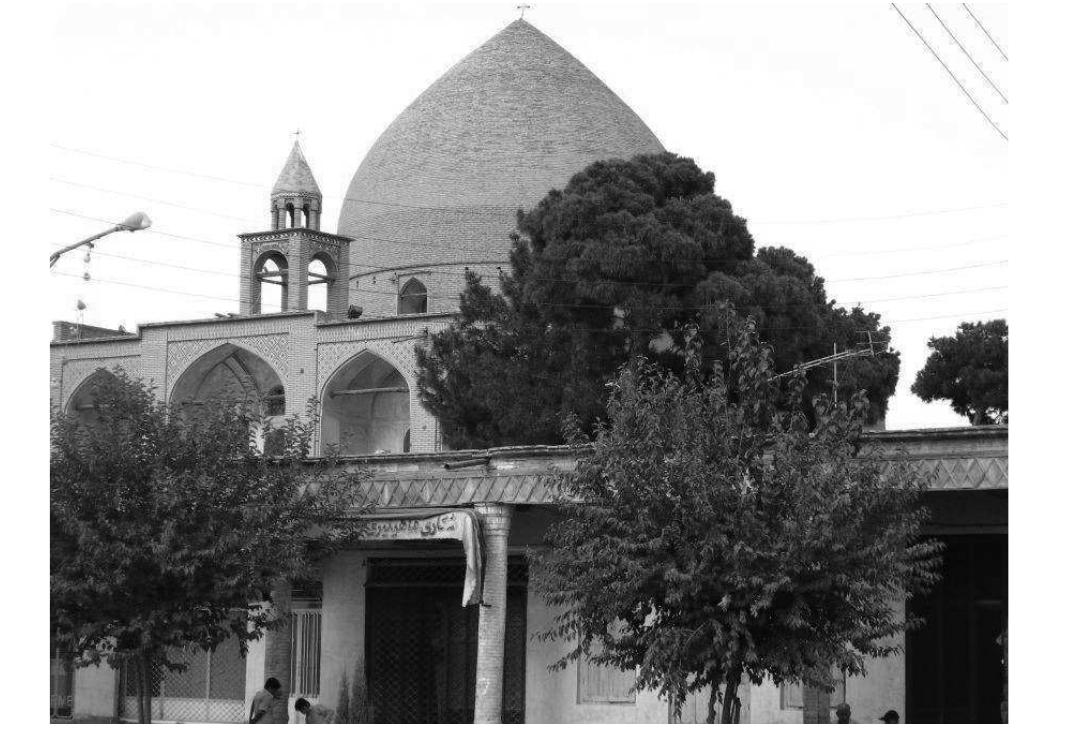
column 421, row 644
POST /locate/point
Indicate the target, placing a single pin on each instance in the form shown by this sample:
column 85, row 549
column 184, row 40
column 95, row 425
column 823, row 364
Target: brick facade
column 303, row 348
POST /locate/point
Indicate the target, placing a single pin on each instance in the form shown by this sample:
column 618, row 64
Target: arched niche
column 82, row 403
column 230, row 374
column 412, row 300
column 366, row 407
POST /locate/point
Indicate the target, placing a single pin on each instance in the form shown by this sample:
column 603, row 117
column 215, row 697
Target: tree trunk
column 714, row 691
column 729, row 711
column 144, row 689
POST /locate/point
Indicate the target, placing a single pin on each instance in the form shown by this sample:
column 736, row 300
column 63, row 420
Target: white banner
column 457, row 525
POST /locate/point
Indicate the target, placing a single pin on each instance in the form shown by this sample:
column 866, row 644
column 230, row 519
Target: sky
column 831, row 128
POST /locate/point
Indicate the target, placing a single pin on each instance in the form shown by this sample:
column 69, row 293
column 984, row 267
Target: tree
column 606, row 269
column 971, row 370
column 716, row 532
column 170, row 528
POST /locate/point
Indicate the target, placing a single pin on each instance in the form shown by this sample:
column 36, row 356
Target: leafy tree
column 169, row 527
column 606, row 269
column 971, row 370
column 716, row 532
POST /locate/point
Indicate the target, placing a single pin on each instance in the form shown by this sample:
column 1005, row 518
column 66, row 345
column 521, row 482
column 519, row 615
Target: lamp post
column 133, row 222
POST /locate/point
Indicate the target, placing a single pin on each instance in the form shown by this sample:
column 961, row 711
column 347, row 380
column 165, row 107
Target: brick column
column 277, row 644
column 490, row 657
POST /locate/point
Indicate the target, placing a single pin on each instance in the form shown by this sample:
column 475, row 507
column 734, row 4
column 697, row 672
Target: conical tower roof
column 515, row 118
column 296, row 177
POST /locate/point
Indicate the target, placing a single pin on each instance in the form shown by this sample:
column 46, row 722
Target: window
column 306, row 638
column 792, row 695
column 605, row 684
column 413, row 298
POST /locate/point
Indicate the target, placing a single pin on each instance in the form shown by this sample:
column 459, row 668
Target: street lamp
column 133, row 222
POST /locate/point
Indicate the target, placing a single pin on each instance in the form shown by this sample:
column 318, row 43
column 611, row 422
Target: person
column 269, row 704
column 842, row 713
column 314, row 714
column 890, row 717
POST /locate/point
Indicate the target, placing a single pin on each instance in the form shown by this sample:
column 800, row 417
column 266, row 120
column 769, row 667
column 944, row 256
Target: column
column 277, row 643
column 490, row 656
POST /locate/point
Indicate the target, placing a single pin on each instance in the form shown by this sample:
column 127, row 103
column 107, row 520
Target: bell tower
column 295, row 254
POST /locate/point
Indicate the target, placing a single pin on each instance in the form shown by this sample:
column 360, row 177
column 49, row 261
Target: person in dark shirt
column 269, row 704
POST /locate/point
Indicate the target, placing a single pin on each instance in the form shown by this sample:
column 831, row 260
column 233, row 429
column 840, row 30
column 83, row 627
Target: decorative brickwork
column 75, row 372
column 272, row 348
column 514, row 119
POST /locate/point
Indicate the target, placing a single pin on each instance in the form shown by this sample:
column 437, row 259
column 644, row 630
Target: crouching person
column 314, row 714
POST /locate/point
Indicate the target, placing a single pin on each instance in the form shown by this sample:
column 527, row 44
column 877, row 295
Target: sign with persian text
column 456, row 525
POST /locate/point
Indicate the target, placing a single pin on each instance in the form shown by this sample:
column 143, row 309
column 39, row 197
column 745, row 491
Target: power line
column 429, row 268
column 151, row 288
column 952, row 75
column 989, row 36
column 967, row 54
column 437, row 245
column 891, row 217
column 220, row 179
column 455, row 209
column 576, row 305
column 587, row 281
column 151, row 200
column 582, row 329
column 920, row 273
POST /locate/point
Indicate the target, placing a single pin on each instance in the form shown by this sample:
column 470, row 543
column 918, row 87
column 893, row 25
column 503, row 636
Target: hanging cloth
column 459, row 524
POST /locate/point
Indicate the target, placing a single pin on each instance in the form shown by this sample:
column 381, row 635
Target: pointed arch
column 82, row 403
column 231, row 374
column 412, row 299
column 366, row 407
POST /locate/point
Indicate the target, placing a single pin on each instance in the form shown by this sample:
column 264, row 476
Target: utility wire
column 455, row 209
column 577, row 305
column 952, row 75
column 967, row 54
column 989, row 36
column 582, row 329
column 594, row 281
column 452, row 272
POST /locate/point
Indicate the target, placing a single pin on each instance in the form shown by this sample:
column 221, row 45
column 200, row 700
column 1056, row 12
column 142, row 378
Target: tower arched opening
column 322, row 282
column 272, row 276
column 366, row 408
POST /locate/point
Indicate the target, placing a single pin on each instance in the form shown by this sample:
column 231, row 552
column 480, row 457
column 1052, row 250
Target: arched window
column 320, row 283
column 273, row 281
column 413, row 298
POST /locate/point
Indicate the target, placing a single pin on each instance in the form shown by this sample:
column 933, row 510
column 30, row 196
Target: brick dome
column 515, row 118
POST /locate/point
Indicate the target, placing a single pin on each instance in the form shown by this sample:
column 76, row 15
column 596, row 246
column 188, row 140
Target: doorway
column 954, row 669
column 421, row 643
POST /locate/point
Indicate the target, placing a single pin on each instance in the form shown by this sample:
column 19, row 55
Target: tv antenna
column 523, row 9
column 868, row 348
